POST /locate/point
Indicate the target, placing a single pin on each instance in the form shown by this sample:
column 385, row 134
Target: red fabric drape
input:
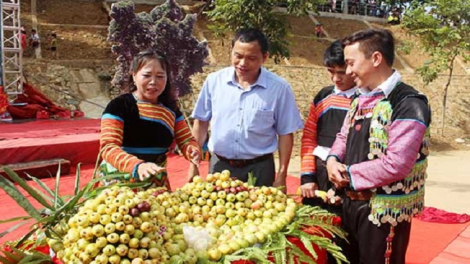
column 3, row 101
column 431, row 214
column 37, row 106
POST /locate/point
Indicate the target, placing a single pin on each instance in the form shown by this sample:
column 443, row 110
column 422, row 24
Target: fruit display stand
column 214, row 219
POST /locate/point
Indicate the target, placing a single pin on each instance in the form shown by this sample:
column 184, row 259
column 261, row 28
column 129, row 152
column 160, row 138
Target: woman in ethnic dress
column 137, row 128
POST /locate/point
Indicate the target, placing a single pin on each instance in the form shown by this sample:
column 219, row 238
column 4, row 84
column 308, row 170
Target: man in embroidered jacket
column 379, row 159
column 327, row 112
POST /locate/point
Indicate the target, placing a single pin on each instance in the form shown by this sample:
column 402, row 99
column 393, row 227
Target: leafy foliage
column 166, row 30
column 56, row 211
column 311, row 226
column 281, row 250
column 17, row 256
column 444, row 28
column 229, row 15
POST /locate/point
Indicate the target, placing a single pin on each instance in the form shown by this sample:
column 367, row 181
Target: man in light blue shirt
column 252, row 113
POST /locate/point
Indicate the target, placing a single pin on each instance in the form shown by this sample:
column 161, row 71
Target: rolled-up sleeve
column 203, row 108
column 288, row 118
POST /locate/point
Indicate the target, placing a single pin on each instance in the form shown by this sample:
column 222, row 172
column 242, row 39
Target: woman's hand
column 147, row 169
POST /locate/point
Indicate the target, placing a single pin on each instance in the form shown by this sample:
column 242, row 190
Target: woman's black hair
column 168, row 97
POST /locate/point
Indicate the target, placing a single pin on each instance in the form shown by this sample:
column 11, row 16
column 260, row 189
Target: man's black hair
column 250, row 35
column 334, row 55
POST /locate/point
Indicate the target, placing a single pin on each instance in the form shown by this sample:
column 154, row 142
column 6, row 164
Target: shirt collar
column 349, row 93
column 389, row 84
column 261, row 81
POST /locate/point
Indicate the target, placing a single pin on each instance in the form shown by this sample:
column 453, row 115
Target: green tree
column 444, row 29
column 229, row 16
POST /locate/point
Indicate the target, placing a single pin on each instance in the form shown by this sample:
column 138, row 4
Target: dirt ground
column 72, row 42
column 89, row 42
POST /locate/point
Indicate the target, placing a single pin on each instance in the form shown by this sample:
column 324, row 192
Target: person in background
column 319, row 30
column 252, row 113
column 325, row 118
column 379, row 158
column 54, row 45
column 35, row 43
column 23, row 39
column 137, row 128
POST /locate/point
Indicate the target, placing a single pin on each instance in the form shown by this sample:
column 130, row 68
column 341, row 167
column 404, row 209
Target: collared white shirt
column 389, row 84
column 385, row 87
column 245, row 123
column 348, row 93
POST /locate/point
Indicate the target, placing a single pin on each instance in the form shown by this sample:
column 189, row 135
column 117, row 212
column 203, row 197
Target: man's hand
column 337, row 173
column 192, row 171
column 332, row 198
column 280, row 181
column 194, row 155
column 308, row 189
column 147, row 169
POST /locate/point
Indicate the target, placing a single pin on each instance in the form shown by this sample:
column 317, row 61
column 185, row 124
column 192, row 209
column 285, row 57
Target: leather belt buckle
column 237, row 163
column 240, row 163
column 359, row 196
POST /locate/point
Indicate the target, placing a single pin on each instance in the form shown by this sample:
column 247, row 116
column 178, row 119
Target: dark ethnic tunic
column 325, row 118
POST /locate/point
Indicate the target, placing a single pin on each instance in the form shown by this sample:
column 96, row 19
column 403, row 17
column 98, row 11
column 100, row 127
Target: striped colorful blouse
column 133, row 132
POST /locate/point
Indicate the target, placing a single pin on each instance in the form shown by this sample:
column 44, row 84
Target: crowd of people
column 381, row 9
column 365, row 140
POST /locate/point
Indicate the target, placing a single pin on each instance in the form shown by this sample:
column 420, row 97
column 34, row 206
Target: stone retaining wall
column 88, row 89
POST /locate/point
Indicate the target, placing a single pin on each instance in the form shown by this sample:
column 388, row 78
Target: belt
column 359, row 196
column 240, row 163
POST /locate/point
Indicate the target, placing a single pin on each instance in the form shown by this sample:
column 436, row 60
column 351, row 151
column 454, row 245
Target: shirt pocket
column 260, row 121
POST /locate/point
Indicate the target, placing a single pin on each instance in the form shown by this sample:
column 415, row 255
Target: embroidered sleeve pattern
column 111, row 142
column 309, row 142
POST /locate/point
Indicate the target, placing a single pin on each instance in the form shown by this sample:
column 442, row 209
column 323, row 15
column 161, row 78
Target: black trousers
column 367, row 242
column 263, row 171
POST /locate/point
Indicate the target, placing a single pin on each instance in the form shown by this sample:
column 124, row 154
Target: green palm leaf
column 31, row 191
column 14, row 193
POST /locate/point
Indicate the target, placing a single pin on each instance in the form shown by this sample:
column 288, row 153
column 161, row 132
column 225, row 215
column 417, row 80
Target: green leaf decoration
column 77, row 179
column 13, row 228
column 19, row 218
column 14, row 193
column 56, row 191
column 30, row 190
column 49, row 193
column 14, row 256
column 5, row 261
column 251, row 179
